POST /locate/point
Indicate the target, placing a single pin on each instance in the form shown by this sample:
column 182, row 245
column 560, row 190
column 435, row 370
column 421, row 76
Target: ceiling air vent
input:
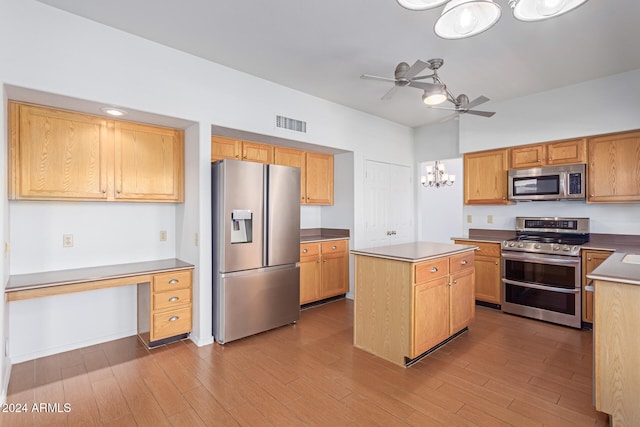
column 291, row 124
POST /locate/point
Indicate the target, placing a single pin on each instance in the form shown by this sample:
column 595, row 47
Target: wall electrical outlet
column 67, row 240
column 163, row 235
column 489, row 219
column 7, row 248
column 196, row 239
column 469, row 219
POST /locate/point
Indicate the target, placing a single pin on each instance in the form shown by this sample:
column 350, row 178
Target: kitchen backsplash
column 614, row 218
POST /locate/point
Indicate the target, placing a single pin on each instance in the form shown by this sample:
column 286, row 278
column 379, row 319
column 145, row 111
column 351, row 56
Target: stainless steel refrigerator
column 256, row 247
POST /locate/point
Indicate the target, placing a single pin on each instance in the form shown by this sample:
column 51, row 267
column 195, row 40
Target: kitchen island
column 616, row 342
column 411, row 298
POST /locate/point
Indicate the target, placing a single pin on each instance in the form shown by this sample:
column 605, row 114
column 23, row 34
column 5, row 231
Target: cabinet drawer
column 164, row 300
column 172, row 280
column 428, row 270
column 461, row 262
column 486, row 249
column 170, row 323
column 309, row 250
column 334, row 246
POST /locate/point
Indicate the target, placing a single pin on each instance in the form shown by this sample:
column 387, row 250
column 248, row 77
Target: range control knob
column 556, row 247
column 521, row 245
column 536, row 246
column 575, row 249
column 512, row 244
column 566, row 248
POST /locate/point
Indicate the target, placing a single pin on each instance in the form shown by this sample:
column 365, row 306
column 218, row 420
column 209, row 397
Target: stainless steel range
column 541, row 269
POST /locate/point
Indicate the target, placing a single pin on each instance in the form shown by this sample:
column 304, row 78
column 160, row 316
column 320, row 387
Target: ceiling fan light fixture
column 537, row 10
column 434, row 96
column 466, row 18
column 421, row 4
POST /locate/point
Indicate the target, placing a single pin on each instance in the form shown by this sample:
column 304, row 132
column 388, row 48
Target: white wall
column 52, row 51
column 440, row 209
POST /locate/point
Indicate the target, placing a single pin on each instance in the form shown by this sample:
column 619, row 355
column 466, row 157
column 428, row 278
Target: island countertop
column 414, row 251
column 614, row 269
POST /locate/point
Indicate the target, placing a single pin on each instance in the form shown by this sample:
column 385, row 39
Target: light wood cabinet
column 488, row 271
column 64, row 155
column 319, row 179
column 404, row 309
column 324, row 270
column 616, row 349
column 165, row 307
column 316, row 169
column 231, row 148
column 614, row 168
column 296, row 158
column 566, row 152
column 148, row 163
column 590, row 260
column 485, row 177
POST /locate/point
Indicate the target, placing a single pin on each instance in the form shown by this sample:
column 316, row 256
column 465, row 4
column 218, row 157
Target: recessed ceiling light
column 113, row 111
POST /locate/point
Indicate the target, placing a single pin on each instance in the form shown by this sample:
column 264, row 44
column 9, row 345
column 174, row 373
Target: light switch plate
column 163, row 235
column 67, row 240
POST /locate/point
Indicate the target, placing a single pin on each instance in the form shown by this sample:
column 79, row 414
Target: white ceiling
column 322, row 47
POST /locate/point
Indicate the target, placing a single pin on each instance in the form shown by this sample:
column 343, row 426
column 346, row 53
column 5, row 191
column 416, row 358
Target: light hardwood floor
column 505, row 371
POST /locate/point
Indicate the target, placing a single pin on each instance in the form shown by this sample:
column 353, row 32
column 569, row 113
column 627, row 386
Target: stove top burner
column 559, row 239
column 549, row 235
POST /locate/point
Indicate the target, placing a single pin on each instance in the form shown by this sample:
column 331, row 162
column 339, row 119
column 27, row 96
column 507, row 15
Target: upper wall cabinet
column 148, row 163
column 230, row 148
column 614, row 168
column 296, row 158
column 566, row 152
column 316, row 169
column 319, row 179
column 60, row 155
column 485, row 177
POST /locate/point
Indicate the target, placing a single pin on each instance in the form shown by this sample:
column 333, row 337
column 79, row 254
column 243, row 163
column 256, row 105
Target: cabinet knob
column 173, row 318
column 334, row 247
column 434, row 269
column 173, row 299
column 454, row 282
column 589, row 259
column 304, row 251
column 463, row 262
column 318, row 261
column 174, row 281
column 237, row 156
column 324, row 260
column 496, row 262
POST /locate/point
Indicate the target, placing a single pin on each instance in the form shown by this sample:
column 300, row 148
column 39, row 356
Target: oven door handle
column 540, row 258
column 541, row 287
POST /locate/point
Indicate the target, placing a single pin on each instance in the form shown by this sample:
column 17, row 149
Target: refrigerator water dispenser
column 241, row 226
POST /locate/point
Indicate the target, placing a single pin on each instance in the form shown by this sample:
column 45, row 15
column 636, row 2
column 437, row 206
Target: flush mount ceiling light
column 421, row 4
column 466, row 18
column 113, row 111
column 434, row 95
column 537, row 10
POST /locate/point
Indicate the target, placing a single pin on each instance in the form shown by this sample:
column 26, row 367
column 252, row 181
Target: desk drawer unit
column 164, row 308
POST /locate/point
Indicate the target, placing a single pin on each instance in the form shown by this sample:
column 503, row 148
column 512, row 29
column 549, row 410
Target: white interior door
column 388, row 198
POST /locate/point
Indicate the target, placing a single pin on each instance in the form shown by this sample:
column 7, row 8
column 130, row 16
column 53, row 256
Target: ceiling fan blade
column 448, row 118
column 390, row 93
column 481, row 113
column 443, row 108
column 424, row 85
column 370, row 77
column 415, row 69
column 479, row 100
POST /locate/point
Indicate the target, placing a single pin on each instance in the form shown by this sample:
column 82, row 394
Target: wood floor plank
column 506, row 370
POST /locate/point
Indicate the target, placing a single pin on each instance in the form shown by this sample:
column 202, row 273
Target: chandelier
column 466, row 18
column 437, row 177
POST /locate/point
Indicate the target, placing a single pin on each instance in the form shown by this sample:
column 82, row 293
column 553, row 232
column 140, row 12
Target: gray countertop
column 415, row 251
column 308, row 235
column 615, row 270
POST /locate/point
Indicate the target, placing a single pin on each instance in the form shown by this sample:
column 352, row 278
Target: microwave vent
column 283, row 122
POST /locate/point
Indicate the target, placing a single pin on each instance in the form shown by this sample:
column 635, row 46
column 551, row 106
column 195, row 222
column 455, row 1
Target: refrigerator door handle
column 256, row 270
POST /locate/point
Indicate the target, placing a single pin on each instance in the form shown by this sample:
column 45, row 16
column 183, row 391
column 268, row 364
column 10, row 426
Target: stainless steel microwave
column 550, row 183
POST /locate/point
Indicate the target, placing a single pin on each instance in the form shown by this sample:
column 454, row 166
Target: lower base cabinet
column 590, row 260
column 165, row 307
column 404, row 309
column 324, row 270
column 488, row 271
column 616, row 349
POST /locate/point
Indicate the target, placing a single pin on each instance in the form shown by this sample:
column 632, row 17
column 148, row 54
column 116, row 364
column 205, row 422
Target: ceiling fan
column 434, row 93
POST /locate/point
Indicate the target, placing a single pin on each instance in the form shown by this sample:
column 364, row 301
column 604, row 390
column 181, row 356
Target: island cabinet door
column 431, row 315
column 462, row 299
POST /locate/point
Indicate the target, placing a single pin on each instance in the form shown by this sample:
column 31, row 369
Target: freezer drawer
column 250, row 302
